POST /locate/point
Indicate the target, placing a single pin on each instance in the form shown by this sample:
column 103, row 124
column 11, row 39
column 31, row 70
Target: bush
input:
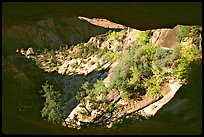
column 86, row 92
column 135, row 80
column 122, row 72
column 181, row 72
column 82, row 91
column 191, row 31
column 162, row 63
column 144, row 70
column 153, row 84
column 114, row 35
column 184, row 32
column 103, row 51
column 152, row 67
column 108, row 56
column 84, row 113
column 197, row 35
column 110, row 107
column 100, row 87
column 175, row 53
column 188, row 54
column 120, row 83
column 145, row 54
column 124, row 94
column 87, row 50
column 142, row 37
column 51, row 110
column 162, row 53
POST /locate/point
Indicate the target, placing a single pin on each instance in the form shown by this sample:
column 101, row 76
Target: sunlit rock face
column 165, row 37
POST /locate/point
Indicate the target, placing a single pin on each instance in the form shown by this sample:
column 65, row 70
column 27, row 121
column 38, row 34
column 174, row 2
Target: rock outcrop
column 165, row 37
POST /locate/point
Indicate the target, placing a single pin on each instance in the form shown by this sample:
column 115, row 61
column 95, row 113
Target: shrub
column 90, row 94
column 197, row 35
column 142, row 37
column 100, row 87
column 145, row 54
column 84, row 113
column 184, row 32
column 87, row 50
column 108, row 56
column 122, row 72
column 175, row 53
column 151, row 68
column 114, row 35
column 189, row 52
column 162, row 53
column 135, row 80
column 120, row 83
column 181, row 72
column 144, row 70
column 191, row 31
column 124, row 94
column 153, row 84
column 103, row 51
column 82, row 91
column 110, row 107
column 162, row 63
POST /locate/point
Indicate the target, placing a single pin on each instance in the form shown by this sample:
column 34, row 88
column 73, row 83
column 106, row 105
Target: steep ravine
column 22, row 78
column 62, row 74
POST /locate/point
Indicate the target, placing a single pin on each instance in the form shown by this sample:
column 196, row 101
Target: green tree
column 51, row 110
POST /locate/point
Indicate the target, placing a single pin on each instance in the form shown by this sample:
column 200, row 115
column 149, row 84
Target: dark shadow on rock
column 50, row 33
column 21, row 101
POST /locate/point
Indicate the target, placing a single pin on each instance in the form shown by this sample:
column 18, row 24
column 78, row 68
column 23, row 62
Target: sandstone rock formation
column 165, row 37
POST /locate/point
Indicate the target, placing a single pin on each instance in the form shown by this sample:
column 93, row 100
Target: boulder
column 91, row 68
column 29, row 51
column 165, row 37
